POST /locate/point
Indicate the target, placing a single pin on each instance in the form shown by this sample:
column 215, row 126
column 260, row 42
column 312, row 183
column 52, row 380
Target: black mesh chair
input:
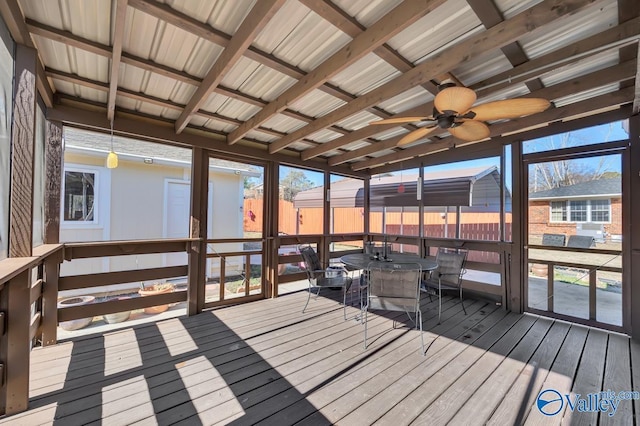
column 394, row 287
column 319, row 278
column 447, row 276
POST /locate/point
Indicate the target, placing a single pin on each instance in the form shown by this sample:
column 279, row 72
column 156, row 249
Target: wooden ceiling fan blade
column 509, row 108
column 470, row 131
column 415, row 135
column 458, row 99
column 399, row 120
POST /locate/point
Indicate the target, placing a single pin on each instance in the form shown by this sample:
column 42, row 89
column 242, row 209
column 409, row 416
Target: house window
column 579, row 211
column 558, row 211
column 79, row 196
column 600, row 210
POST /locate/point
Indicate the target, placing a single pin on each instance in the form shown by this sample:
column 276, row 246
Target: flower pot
column 117, row 317
column 153, row 290
column 539, row 269
column 75, row 324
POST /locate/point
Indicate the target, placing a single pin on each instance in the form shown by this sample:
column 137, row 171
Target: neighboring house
column 474, row 190
column 593, row 207
column 146, row 197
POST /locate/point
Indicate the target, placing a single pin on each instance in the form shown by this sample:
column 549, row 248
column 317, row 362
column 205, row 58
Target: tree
column 556, row 174
column 294, row 182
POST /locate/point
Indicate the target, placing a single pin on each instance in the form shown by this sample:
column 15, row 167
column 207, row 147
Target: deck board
column 267, row 363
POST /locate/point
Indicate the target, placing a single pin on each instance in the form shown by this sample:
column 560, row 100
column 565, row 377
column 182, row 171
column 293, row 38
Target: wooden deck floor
column 268, row 363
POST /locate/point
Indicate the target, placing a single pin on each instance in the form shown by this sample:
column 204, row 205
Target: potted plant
column 153, row 289
column 118, row 316
column 79, row 323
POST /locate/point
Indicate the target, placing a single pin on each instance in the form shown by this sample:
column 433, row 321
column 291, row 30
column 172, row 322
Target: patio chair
column 319, row 278
column 447, row 276
column 394, row 287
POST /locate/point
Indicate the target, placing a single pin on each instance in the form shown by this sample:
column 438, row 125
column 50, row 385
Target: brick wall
column 539, row 220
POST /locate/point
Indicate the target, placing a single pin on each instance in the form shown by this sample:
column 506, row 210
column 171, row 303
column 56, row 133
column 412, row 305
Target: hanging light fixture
column 112, row 158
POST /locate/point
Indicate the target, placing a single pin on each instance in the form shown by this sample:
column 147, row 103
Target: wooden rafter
column 12, row 16
column 391, row 24
column 613, row 74
column 463, row 52
column 522, row 73
column 116, row 53
column 636, row 100
column 610, row 100
column 258, row 17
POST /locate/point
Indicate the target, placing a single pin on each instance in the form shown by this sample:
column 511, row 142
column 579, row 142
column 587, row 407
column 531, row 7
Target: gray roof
column 102, row 142
column 592, row 188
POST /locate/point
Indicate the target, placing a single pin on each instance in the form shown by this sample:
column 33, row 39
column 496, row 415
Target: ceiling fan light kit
column 453, row 110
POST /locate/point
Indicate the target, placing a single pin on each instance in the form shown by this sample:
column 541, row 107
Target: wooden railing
column 27, row 316
column 122, row 248
column 549, row 257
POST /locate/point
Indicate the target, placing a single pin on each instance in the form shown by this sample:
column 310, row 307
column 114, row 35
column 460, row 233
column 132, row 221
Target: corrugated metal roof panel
column 310, row 42
column 257, row 80
column 365, row 75
column 283, row 123
column 587, row 66
column 225, row 16
column 407, row 100
column 561, row 33
column 324, row 135
column 258, row 135
column 442, row 26
column 316, row 103
column 510, row 8
column 281, row 25
column 83, row 18
column 233, row 109
column 367, row 12
column 482, row 67
column 356, row 121
column 567, row 100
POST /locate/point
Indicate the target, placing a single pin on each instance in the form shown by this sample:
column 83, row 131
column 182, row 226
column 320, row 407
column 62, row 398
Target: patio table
column 363, row 260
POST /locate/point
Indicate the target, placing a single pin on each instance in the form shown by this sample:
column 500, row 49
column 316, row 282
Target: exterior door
column 176, row 219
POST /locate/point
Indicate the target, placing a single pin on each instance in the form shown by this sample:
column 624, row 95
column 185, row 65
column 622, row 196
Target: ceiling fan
column 453, row 111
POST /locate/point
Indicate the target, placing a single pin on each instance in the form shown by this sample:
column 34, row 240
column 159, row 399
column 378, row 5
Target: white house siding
column 133, row 195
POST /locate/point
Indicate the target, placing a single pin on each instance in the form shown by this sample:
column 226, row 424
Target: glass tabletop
column 363, row 260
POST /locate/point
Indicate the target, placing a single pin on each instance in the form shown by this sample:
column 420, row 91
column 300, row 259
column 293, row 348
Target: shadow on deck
column 266, row 362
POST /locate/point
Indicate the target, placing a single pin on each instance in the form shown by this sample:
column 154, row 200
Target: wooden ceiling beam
column 454, row 56
column 13, row 18
column 158, row 130
column 142, row 97
column 609, row 100
column 116, row 53
column 70, row 39
column 330, row 12
column 388, row 26
column 613, row 74
column 524, row 72
column 252, row 25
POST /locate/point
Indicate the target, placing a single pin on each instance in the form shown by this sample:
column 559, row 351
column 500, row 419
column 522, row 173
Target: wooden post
column 519, row 221
column 53, row 172
column 198, row 229
column 270, row 228
column 14, row 344
column 23, row 142
column 326, row 221
column 631, row 245
column 50, row 299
